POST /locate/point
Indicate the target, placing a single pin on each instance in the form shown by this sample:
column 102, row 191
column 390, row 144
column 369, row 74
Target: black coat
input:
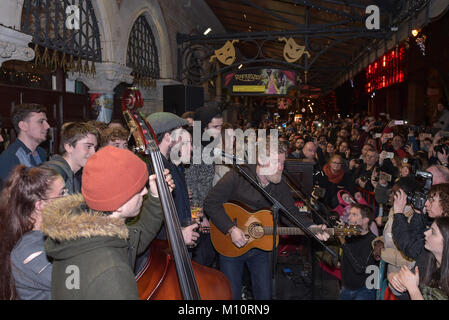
column 330, row 197
column 409, row 237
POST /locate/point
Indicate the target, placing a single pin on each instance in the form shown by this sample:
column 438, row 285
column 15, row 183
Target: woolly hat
column 111, row 177
column 206, row 114
column 165, row 121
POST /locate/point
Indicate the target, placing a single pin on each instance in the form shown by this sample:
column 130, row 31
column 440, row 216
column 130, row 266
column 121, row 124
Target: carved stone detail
column 108, row 76
column 14, row 45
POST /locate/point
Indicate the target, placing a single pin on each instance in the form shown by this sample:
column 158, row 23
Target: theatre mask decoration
column 293, row 51
column 225, row 54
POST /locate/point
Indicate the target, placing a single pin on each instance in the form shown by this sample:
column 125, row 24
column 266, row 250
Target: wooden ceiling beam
column 291, row 11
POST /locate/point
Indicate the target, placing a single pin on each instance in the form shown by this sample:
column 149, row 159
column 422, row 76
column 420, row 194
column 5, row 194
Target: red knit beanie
column 111, row 177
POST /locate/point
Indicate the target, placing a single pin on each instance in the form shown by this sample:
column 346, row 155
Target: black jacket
column 235, row 187
column 409, row 237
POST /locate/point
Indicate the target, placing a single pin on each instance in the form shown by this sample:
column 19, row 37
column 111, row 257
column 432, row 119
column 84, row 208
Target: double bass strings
column 173, row 225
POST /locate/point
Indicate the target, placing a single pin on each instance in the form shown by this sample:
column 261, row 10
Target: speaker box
column 179, row 98
column 300, row 174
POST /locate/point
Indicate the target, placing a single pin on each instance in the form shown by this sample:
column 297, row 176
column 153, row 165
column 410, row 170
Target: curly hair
column 442, row 190
column 112, row 134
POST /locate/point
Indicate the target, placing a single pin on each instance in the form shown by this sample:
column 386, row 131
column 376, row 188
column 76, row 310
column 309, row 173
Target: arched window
column 142, row 54
column 55, row 28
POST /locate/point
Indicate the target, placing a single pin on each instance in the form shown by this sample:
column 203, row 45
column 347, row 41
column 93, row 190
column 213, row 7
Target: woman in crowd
column 336, row 179
column 429, row 279
column 330, row 151
column 442, row 116
column 385, row 246
column 25, row 272
column 409, row 235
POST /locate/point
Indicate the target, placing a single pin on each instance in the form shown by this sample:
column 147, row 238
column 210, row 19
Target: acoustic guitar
column 258, row 226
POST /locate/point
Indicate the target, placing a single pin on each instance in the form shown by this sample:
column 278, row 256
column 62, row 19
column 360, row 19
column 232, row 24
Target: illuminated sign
column 260, row 81
column 386, row 71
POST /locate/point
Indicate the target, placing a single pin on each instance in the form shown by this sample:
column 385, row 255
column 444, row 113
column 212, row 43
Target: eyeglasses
column 432, row 199
column 64, row 192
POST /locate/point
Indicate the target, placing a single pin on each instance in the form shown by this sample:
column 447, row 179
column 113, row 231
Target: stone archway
column 131, row 10
column 154, row 16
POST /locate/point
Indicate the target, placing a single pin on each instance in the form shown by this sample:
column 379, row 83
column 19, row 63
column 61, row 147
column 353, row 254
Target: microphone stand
column 275, row 208
column 303, row 197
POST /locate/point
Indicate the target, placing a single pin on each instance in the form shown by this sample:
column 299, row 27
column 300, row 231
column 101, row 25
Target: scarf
column 331, row 176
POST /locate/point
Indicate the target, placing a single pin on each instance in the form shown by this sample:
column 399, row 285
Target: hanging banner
column 102, row 105
column 260, row 82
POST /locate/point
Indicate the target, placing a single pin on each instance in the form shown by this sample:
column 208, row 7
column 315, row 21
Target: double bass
column 169, row 273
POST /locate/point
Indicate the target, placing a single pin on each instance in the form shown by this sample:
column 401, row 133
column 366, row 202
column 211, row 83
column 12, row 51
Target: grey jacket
column 72, row 180
column 30, row 267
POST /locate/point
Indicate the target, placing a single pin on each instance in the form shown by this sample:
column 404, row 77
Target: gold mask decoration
column 293, row 51
column 225, row 54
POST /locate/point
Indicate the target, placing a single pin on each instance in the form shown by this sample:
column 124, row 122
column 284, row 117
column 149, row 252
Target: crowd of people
column 94, row 204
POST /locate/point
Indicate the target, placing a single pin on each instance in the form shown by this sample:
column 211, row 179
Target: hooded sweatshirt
column 72, row 180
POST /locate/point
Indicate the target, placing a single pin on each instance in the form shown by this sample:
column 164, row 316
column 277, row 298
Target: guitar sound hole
column 255, row 230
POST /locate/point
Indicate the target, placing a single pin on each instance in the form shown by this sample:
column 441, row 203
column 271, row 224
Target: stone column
column 154, row 97
column 14, row 45
column 101, row 86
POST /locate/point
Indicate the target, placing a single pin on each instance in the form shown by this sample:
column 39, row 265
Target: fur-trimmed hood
column 72, row 229
column 69, row 218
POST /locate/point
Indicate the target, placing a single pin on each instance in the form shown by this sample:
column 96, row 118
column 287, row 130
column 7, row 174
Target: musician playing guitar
column 235, row 187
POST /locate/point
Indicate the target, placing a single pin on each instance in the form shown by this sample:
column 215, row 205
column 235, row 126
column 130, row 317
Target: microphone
column 218, row 152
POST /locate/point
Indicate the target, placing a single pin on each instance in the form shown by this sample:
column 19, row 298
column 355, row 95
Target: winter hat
column 111, row 177
column 165, row 121
column 206, row 114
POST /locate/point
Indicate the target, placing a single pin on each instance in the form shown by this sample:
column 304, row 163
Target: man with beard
column 175, row 145
column 31, row 126
column 200, row 176
column 234, row 187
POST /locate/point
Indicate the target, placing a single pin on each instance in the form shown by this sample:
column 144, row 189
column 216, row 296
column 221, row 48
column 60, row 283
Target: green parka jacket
column 93, row 255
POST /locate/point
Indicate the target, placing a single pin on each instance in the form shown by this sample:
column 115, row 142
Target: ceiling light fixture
column 207, row 31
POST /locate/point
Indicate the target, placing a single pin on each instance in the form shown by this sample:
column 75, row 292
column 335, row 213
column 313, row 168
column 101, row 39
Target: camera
column 418, row 198
column 359, row 161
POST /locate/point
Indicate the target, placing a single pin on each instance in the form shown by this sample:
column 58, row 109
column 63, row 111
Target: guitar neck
column 296, row 231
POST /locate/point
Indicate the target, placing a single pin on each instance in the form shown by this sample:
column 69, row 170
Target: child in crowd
column 346, row 200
